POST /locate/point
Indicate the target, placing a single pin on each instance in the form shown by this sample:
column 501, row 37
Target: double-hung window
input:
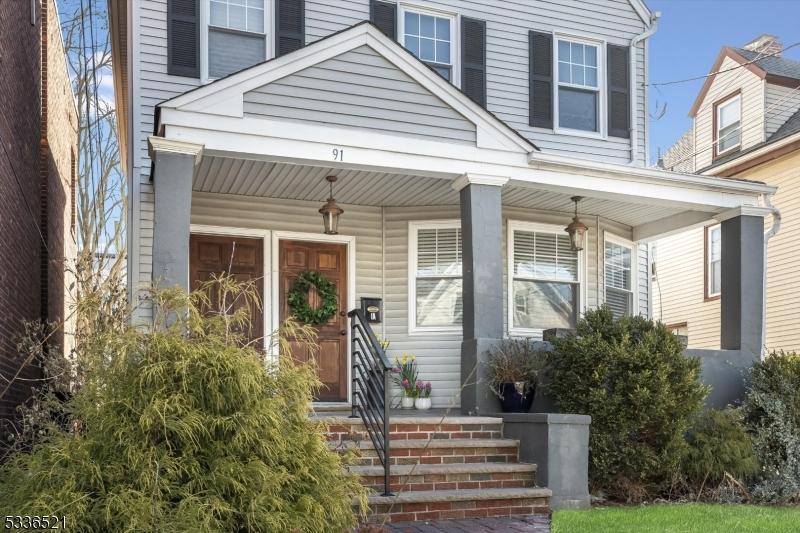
column 236, row 35
column 545, row 278
column 435, row 286
column 713, row 259
column 619, row 278
column 579, row 75
column 728, row 119
column 430, row 37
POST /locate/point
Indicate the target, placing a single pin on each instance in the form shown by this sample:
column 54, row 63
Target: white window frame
column 205, row 22
column 602, row 89
column 621, row 241
column 520, row 225
column 737, row 100
column 455, row 35
column 413, row 231
column 707, row 260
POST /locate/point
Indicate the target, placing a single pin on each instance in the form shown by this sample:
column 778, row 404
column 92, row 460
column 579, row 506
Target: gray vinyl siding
column 362, row 90
column 508, row 23
column 381, row 242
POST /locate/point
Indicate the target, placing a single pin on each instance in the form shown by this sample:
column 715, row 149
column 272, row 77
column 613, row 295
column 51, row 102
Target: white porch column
column 482, row 238
column 174, row 163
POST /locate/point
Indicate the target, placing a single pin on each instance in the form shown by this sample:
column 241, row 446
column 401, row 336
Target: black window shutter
column 619, row 97
column 473, row 59
column 384, row 16
column 540, row 79
column 290, row 27
column 183, row 38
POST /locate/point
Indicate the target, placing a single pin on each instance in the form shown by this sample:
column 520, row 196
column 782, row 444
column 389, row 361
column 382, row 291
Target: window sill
column 711, row 297
column 579, row 133
column 727, row 152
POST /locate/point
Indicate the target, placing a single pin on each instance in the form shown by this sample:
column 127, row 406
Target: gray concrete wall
column 559, row 445
column 725, row 371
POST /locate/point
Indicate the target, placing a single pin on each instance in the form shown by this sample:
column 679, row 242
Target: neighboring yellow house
column 746, row 126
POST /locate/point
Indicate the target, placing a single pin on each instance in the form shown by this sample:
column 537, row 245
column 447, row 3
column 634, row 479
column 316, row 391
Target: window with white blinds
column 619, row 276
column 435, row 285
column 545, row 280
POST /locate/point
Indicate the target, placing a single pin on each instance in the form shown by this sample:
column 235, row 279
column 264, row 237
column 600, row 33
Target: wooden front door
column 241, row 257
column 330, row 260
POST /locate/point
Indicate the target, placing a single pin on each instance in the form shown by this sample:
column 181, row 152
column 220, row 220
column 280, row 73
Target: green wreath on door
column 297, row 298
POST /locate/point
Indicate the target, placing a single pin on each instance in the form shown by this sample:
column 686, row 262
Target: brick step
column 435, row 451
column 417, row 427
column 456, row 504
column 449, row 476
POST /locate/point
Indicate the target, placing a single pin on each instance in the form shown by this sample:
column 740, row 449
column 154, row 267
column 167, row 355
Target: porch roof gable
column 232, row 96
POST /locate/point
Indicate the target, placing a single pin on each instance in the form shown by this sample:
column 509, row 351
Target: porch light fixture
column 330, row 211
column 576, row 228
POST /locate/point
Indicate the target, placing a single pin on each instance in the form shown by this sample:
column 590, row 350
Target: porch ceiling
column 247, row 177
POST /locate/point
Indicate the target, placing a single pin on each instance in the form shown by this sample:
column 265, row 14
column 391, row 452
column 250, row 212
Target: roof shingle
column 777, row 65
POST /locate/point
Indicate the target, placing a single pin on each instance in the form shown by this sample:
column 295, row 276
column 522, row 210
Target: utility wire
column 710, row 74
column 741, row 130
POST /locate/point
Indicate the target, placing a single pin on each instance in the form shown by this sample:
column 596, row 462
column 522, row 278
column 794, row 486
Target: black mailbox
column 372, row 308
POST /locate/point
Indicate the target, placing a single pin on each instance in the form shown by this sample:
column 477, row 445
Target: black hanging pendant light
column 576, row 228
column 330, row 211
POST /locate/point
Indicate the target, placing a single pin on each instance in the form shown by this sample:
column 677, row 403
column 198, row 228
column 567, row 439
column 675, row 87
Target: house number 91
column 338, row 154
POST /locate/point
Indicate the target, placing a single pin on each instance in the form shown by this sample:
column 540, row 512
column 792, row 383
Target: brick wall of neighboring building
column 62, row 132
column 19, row 196
column 679, row 157
column 33, row 173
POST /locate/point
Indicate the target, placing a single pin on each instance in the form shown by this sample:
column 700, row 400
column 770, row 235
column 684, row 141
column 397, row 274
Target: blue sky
column 690, row 34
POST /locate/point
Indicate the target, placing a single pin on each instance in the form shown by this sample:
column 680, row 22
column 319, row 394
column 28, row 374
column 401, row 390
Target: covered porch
column 435, row 251
column 451, row 219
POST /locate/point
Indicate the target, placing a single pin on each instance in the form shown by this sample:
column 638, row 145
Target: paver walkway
column 532, row 523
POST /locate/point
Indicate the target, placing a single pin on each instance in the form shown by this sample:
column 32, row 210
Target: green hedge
column 642, row 392
column 772, row 410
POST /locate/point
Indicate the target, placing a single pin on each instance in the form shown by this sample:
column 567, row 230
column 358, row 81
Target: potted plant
column 514, row 368
column 423, row 400
column 405, row 375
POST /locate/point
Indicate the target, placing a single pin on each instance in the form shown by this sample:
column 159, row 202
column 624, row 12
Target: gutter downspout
column 632, row 70
column 771, row 232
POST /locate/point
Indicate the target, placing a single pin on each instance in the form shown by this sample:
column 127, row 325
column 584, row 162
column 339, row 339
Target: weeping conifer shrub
column 632, row 377
column 187, row 428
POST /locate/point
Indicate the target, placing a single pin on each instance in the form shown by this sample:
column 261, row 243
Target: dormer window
column 728, row 124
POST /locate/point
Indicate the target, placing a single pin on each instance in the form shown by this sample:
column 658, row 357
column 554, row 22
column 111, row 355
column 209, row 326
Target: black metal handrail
column 372, row 371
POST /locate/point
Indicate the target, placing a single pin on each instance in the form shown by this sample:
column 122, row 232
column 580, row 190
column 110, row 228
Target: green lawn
column 679, row 518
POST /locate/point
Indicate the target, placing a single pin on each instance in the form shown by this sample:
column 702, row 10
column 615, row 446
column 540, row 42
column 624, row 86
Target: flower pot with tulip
column 423, row 399
column 405, row 374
